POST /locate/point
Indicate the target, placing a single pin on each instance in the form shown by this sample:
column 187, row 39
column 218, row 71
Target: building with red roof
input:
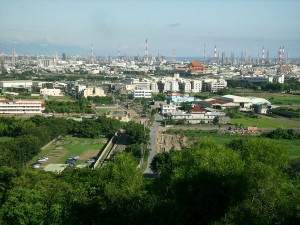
column 195, row 67
column 197, row 110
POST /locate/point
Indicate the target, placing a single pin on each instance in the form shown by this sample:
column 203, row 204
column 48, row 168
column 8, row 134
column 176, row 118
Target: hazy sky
column 71, row 26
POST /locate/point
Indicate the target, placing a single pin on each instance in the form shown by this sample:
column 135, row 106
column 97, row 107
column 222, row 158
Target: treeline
column 107, row 100
column 271, row 87
column 33, row 133
column 280, row 133
column 244, row 182
column 80, row 106
column 139, row 136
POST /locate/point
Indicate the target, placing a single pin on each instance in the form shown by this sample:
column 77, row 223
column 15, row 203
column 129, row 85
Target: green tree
column 186, row 106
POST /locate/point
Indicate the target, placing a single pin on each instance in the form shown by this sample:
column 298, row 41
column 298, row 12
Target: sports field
column 65, row 147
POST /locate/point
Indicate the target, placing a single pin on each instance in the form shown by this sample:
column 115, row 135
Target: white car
column 75, row 157
column 35, row 166
column 42, row 160
column 91, row 161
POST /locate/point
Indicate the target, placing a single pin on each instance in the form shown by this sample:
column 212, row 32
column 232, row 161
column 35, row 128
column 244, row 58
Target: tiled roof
column 197, row 108
column 215, row 102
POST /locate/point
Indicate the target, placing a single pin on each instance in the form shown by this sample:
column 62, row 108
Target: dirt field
column 166, row 142
column 88, row 154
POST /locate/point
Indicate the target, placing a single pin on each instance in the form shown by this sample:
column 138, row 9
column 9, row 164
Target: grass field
column 4, row 139
column 292, row 146
column 105, row 110
column 261, row 123
column 66, row 147
column 285, row 100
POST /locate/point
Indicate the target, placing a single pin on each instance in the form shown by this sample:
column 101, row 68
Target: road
column 153, row 139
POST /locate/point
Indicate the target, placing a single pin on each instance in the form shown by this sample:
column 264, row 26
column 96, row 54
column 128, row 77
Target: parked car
column 90, row 160
column 36, row 166
column 75, row 157
column 42, row 160
column 71, row 162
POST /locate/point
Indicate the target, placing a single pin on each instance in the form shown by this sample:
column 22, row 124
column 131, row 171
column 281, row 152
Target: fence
column 107, row 147
column 49, row 143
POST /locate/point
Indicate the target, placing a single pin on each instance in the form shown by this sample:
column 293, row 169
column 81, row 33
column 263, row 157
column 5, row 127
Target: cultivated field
column 66, row 147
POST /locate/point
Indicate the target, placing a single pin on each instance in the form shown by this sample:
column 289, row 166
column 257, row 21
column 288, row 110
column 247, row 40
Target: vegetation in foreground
column 244, row 182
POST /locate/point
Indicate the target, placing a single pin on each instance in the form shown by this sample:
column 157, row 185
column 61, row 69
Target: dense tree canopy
column 245, row 182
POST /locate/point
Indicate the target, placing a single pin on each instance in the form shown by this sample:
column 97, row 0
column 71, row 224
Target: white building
column 185, row 86
column 196, row 86
column 21, row 107
column 92, row 92
column 167, row 108
column 16, row 84
column 254, row 78
column 245, row 103
column 51, row 92
column 154, row 87
column 255, row 100
column 279, row 79
column 142, row 93
column 208, row 117
column 213, row 85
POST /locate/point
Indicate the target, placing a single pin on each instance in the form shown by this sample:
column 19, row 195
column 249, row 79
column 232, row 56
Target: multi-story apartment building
column 51, row 92
column 167, row 108
column 168, row 85
column 196, row 86
column 213, row 85
column 185, row 86
column 142, row 93
column 154, row 87
column 93, row 91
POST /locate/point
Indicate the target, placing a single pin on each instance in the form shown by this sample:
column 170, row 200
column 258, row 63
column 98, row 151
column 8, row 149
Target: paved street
column 153, row 138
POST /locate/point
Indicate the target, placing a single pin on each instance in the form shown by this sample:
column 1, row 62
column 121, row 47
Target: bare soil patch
column 168, row 142
column 88, row 154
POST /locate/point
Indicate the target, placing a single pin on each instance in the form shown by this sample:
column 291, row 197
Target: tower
column 146, row 51
column 92, row 53
column 283, row 56
column 215, row 53
column 223, row 58
column 268, row 56
column 263, row 55
column 173, row 55
column 119, row 53
column 13, row 59
column 280, row 56
column 204, row 53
